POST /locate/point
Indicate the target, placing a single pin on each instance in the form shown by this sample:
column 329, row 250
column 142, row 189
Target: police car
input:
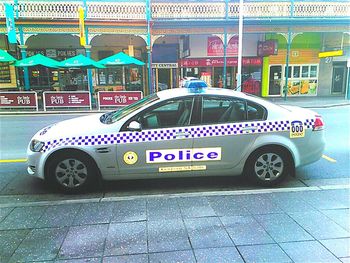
column 178, row 133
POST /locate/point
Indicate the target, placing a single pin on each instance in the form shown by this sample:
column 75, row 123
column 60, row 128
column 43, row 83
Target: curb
column 178, row 195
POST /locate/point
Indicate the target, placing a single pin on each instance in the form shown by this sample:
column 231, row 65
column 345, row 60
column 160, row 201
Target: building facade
column 183, row 38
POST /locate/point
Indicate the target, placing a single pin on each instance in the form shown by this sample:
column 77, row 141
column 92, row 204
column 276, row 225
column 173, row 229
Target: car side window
column 171, row 113
column 222, row 110
column 255, row 112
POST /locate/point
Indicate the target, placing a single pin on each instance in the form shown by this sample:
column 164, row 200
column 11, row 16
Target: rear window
column 255, row 111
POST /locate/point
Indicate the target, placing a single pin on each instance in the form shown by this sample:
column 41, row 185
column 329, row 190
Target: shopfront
column 43, row 78
column 211, row 71
column 303, row 70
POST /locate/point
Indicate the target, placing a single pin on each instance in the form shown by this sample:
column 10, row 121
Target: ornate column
column 23, row 49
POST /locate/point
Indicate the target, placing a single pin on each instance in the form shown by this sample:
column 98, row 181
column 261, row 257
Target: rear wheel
column 71, row 172
column 268, row 166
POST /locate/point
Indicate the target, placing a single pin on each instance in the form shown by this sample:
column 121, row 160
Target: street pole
column 347, row 88
column 23, row 49
column 225, row 58
column 285, row 88
column 149, row 45
column 240, row 41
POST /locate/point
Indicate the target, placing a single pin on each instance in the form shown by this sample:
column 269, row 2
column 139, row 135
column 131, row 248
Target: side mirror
column 134, row 126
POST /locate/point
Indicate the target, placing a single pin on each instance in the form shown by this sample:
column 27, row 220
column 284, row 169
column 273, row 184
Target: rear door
column 226, row 126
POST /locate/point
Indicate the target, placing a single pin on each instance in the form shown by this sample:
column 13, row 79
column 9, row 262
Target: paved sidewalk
column 280, row 225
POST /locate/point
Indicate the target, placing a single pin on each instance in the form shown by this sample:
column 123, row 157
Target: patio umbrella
column 6, row 57
column 38, row 60
column 120, row 59
column 80, row 62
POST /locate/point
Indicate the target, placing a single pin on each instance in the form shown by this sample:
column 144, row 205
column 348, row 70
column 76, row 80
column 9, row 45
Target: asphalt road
column 16, row 131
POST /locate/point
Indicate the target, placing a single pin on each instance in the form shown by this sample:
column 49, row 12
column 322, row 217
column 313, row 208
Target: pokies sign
column 118, row 98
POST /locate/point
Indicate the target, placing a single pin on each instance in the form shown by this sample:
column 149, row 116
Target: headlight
column 36, row 145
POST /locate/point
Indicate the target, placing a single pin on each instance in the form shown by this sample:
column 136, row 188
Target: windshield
column 113, row 116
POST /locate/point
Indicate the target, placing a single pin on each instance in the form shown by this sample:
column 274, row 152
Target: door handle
column 182, row 134
column 249, row 128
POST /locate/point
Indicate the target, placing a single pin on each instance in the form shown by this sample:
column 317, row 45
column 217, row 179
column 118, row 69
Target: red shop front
column 211, row 70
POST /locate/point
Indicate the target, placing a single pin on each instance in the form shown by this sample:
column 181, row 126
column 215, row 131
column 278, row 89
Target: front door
column 339, row 78
column 275, row 80
column 164, row 144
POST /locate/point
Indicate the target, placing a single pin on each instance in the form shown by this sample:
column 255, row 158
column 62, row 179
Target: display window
column 302, row 79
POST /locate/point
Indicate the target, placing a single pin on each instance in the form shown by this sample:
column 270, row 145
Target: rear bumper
column 313, row 150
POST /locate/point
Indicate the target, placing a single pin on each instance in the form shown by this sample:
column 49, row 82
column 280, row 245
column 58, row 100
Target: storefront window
column 306, row 84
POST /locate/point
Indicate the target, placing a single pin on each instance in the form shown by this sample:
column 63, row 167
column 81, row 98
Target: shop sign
column 51, row 53
column 164, row 65
column 267, row 48
column 118, row 98
column 33, row 52
column 18, row 100
column 72, row 99
column 218, row 62
column 216, row 47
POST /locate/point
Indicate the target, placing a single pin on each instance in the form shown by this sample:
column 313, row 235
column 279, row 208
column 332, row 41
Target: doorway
column 338, row 80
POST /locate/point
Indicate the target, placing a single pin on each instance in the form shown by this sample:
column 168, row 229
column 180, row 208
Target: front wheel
column 71, row 173
column 268, row 166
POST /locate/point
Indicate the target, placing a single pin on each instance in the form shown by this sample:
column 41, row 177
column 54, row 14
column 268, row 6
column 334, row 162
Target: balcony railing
column 136, row 10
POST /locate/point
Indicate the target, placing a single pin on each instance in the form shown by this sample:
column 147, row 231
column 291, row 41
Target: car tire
column 71, row 172
column 268, row 166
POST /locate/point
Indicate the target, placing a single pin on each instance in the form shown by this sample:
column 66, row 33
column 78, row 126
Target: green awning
column 6, row 57
column 80, row 62
column 121, row 59
column 38, row 60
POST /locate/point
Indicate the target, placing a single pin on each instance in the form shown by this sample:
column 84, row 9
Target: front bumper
column 35, row 164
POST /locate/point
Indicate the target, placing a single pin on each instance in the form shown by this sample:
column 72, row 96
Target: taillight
column 319, row 124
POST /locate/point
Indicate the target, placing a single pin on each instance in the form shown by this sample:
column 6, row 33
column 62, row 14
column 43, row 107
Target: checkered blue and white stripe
column 171, row 133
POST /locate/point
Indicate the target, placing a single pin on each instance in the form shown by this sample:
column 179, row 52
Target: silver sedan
column 177, row 133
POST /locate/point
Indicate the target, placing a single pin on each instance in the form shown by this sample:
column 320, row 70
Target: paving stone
column 195, row 207
column 245, row 230
column 129, row 211
column 319, row 225
column 80, row 260
column 218, row 255
column 340, row 216
column 58, row 216
column 94, row 213
column 84, row 241
column 40, row 244
column 185, row 256
column 22, row 217
column 308, row 251
column 228, row 205
column 126, row 238
column 282, row 228
column 5, row 211
column 9, row 241
column 323, row 200
column 260, row 204
column 163, row 208
column 140, row 258
column 339, row 247
column 263, row 253
column 167, row 235
column 292, row 202
column 207, row 232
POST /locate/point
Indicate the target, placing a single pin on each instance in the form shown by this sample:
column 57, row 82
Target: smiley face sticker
column 130, row 158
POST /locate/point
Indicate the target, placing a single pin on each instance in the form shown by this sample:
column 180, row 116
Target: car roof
column 179, row 92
